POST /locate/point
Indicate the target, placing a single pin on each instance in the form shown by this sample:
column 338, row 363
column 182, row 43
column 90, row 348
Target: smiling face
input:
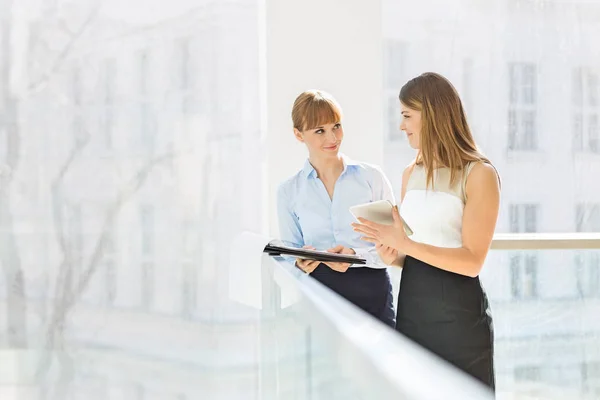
column 435, row 123
column 322, row 141
column 411, row 125
column 317, row 121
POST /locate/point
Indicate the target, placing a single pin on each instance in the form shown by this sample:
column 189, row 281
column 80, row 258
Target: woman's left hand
column 392, row 236
column 339, row 266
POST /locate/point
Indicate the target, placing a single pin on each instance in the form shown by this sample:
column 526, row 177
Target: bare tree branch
column 9, row 252
column 47, row 76
column 66, row 296
column 64, row 277
column 124, row 196
column 57, row 182
column 9, row 102
column 9, row 111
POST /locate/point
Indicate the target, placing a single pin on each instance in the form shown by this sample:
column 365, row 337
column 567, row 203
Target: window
column 587, row 217
column 528, row 373
column 394, row 77
column 524, row 264
column 590, row 375
column 523, row 218
column 185, row 84
column 587, row 266
column 523, row 269
column 147, row 116
column 108, row 76
column 586, row 104
column 395, row 64
column 147, row 249
column 522, row 113
column 587, row 263
column 189, row 252
column 393, row 119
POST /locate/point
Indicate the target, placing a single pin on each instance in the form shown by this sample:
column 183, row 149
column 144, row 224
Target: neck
column 330, row 167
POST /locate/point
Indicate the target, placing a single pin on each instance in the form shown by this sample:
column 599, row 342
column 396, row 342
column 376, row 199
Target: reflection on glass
column 122, row 177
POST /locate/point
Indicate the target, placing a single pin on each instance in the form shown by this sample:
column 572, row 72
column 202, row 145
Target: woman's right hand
column 387, row 254
column 307, row 266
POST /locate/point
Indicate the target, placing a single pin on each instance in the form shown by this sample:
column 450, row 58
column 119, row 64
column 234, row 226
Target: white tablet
column 378, row 211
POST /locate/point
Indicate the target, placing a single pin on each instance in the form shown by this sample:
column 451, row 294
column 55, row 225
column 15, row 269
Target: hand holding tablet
column 380, row 212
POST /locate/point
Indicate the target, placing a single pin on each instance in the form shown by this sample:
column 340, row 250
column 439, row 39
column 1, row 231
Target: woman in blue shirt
column 313, row 207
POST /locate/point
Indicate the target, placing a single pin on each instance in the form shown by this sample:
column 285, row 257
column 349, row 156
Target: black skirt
column 448, row 314
column 368, row 288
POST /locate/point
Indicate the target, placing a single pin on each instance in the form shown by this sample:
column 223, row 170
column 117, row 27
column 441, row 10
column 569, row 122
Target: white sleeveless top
column 435, row 214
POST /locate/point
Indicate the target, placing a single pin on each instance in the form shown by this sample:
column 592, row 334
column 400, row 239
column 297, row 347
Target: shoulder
column 406, row 177
column 408, row 171
column 288, row 187
column 483, row 170
column 483, row 176
column 366, row 167
column 372, row 171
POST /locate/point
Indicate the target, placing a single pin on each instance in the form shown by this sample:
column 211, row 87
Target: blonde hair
column 314, row 108
column 446, row 139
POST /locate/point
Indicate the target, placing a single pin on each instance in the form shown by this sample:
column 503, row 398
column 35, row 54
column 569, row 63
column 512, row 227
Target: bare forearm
column 458, row 260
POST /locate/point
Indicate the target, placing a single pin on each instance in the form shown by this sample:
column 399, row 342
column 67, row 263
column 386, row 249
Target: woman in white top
column 450, row 198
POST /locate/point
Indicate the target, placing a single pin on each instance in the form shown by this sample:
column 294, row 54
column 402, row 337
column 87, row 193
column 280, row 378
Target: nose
column 402, row 125
column 331, row 136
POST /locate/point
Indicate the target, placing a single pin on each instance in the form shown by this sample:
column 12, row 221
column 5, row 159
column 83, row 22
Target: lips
column 331, row 147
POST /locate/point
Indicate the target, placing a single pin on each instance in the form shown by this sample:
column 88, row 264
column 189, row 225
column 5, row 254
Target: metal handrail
column 546, row 241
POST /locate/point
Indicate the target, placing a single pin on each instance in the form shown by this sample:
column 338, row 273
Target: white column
column 334, row 45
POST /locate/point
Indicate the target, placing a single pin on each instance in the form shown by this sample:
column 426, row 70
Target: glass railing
column 298, row 340
column 544, row 291
column 319, row 346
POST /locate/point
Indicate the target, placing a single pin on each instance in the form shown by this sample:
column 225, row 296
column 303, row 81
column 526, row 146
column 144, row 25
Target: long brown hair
column 446, row 139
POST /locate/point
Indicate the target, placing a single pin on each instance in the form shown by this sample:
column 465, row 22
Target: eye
column 337, row 126
column 319, row 131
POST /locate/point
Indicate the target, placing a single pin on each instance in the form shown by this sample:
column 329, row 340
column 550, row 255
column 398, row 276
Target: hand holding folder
column 316, row 255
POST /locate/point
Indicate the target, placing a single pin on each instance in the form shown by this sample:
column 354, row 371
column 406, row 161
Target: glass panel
column 100, row 131
column 326, row 351
column 547, row 343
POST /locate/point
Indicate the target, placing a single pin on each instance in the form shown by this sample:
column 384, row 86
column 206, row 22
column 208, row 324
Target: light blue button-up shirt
column 307, row 216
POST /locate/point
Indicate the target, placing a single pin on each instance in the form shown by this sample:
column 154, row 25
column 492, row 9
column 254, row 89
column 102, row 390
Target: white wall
column 334, row 45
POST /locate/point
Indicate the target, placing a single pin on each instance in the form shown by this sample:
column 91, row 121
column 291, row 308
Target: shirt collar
column 309, row 171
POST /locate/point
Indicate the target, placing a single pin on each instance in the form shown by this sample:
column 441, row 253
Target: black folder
column 279, row 250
